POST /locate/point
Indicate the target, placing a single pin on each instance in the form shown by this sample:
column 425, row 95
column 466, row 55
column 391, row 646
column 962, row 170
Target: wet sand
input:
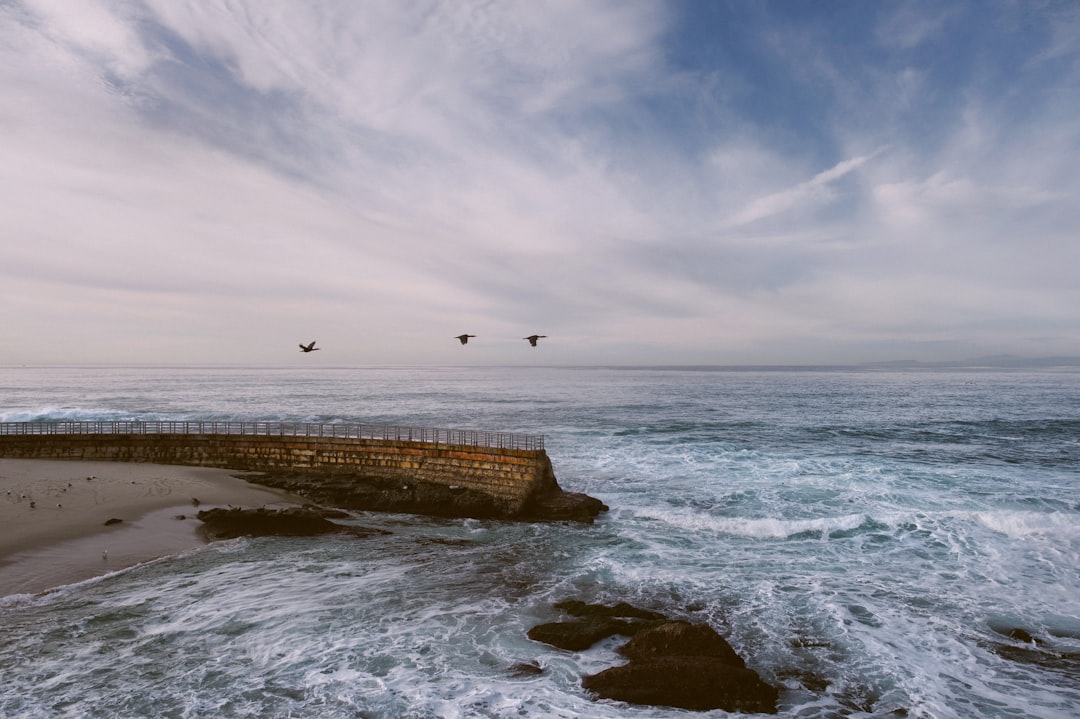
column 53, row 516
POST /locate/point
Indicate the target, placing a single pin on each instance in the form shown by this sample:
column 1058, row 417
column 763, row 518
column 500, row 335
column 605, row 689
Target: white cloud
column 92, row 29
column 213, row 179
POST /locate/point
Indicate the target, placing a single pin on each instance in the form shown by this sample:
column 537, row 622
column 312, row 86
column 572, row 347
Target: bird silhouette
column 310, row 348
column 532, row 339
column 464, row 338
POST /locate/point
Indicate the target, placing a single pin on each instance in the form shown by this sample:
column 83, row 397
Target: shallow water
column 867, row 540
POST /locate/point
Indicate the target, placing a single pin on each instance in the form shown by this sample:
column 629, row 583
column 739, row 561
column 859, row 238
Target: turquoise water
column 867, row 539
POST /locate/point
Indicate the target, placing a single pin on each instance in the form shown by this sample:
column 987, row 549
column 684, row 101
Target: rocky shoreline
column 374, row 494
column 218, row 524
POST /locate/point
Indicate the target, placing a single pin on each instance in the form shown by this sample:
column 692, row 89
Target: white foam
column 756, row 528
column 16, row 600
column 51, row 413
column 1023, row 525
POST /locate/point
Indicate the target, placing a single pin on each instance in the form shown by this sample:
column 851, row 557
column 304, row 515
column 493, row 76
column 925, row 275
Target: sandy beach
column 53, row 516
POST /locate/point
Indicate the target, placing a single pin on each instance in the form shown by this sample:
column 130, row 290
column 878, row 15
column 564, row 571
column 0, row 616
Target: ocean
column 876, row 543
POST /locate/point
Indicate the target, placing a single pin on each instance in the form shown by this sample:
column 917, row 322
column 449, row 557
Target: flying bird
column 310, row 348
column 464, row 338
column 532, row 339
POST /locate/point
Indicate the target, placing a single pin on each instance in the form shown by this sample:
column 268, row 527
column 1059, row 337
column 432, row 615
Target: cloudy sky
column 216, row 181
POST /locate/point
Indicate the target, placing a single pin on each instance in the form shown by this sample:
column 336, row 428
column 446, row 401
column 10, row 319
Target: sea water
column 875, row 543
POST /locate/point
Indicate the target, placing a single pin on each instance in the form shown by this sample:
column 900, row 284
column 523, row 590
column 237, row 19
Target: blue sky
column 644, row 182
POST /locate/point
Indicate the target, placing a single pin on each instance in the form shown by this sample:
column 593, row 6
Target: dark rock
column 1018, row 633
column 291, row 522
column 1066, row 662
column 1022, row 635
column 526, row 669
column 330, row 513
column 672, row 663
column 114, row 520
column 564, row 506
column 596, row 622
column 365, row 492
column 697, row 683
column 583, row 633
column 681, row 639
column 578, row 608
column 1035, row 650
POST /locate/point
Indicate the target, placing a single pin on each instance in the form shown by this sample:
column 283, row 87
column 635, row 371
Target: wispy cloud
column 815, row 191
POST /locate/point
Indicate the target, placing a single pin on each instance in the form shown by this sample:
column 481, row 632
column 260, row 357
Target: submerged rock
column 290, row 522
column 524, row 670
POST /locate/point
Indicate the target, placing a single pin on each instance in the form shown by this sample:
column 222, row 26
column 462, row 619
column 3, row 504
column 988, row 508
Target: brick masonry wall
column 512, row 477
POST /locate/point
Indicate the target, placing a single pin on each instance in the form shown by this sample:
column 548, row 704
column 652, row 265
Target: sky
column 643, row 182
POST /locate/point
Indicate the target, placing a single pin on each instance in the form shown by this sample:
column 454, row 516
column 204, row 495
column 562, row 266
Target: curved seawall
column 513, row 479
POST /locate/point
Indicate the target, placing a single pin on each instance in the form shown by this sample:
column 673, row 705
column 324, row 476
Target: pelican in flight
column 532, row 339
column 464, row 338
column 310, row 348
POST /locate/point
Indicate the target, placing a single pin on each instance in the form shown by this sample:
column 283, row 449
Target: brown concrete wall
column 512, row 477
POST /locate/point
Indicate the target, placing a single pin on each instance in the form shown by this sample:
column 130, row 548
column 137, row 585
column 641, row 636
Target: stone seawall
column 514, row 480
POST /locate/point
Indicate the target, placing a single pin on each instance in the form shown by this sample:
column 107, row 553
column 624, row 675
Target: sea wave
column 759, row 527
column 51, row 413
column 1022, row 525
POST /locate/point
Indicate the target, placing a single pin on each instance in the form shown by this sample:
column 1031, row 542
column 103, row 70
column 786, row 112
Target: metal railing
column 431, row 435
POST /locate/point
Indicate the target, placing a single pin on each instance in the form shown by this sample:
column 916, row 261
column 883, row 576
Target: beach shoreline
column 53, row 516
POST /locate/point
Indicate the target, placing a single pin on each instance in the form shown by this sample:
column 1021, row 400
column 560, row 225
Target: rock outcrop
column 675, row 638
column 375, row 494
column 290, row 522
column 594, row 622
column 688, row 666
column 672, row 663
column 559, row 505
column 685, row 682
column 581, row 634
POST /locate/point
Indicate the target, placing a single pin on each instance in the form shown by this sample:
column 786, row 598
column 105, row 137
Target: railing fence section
column 432, row 435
